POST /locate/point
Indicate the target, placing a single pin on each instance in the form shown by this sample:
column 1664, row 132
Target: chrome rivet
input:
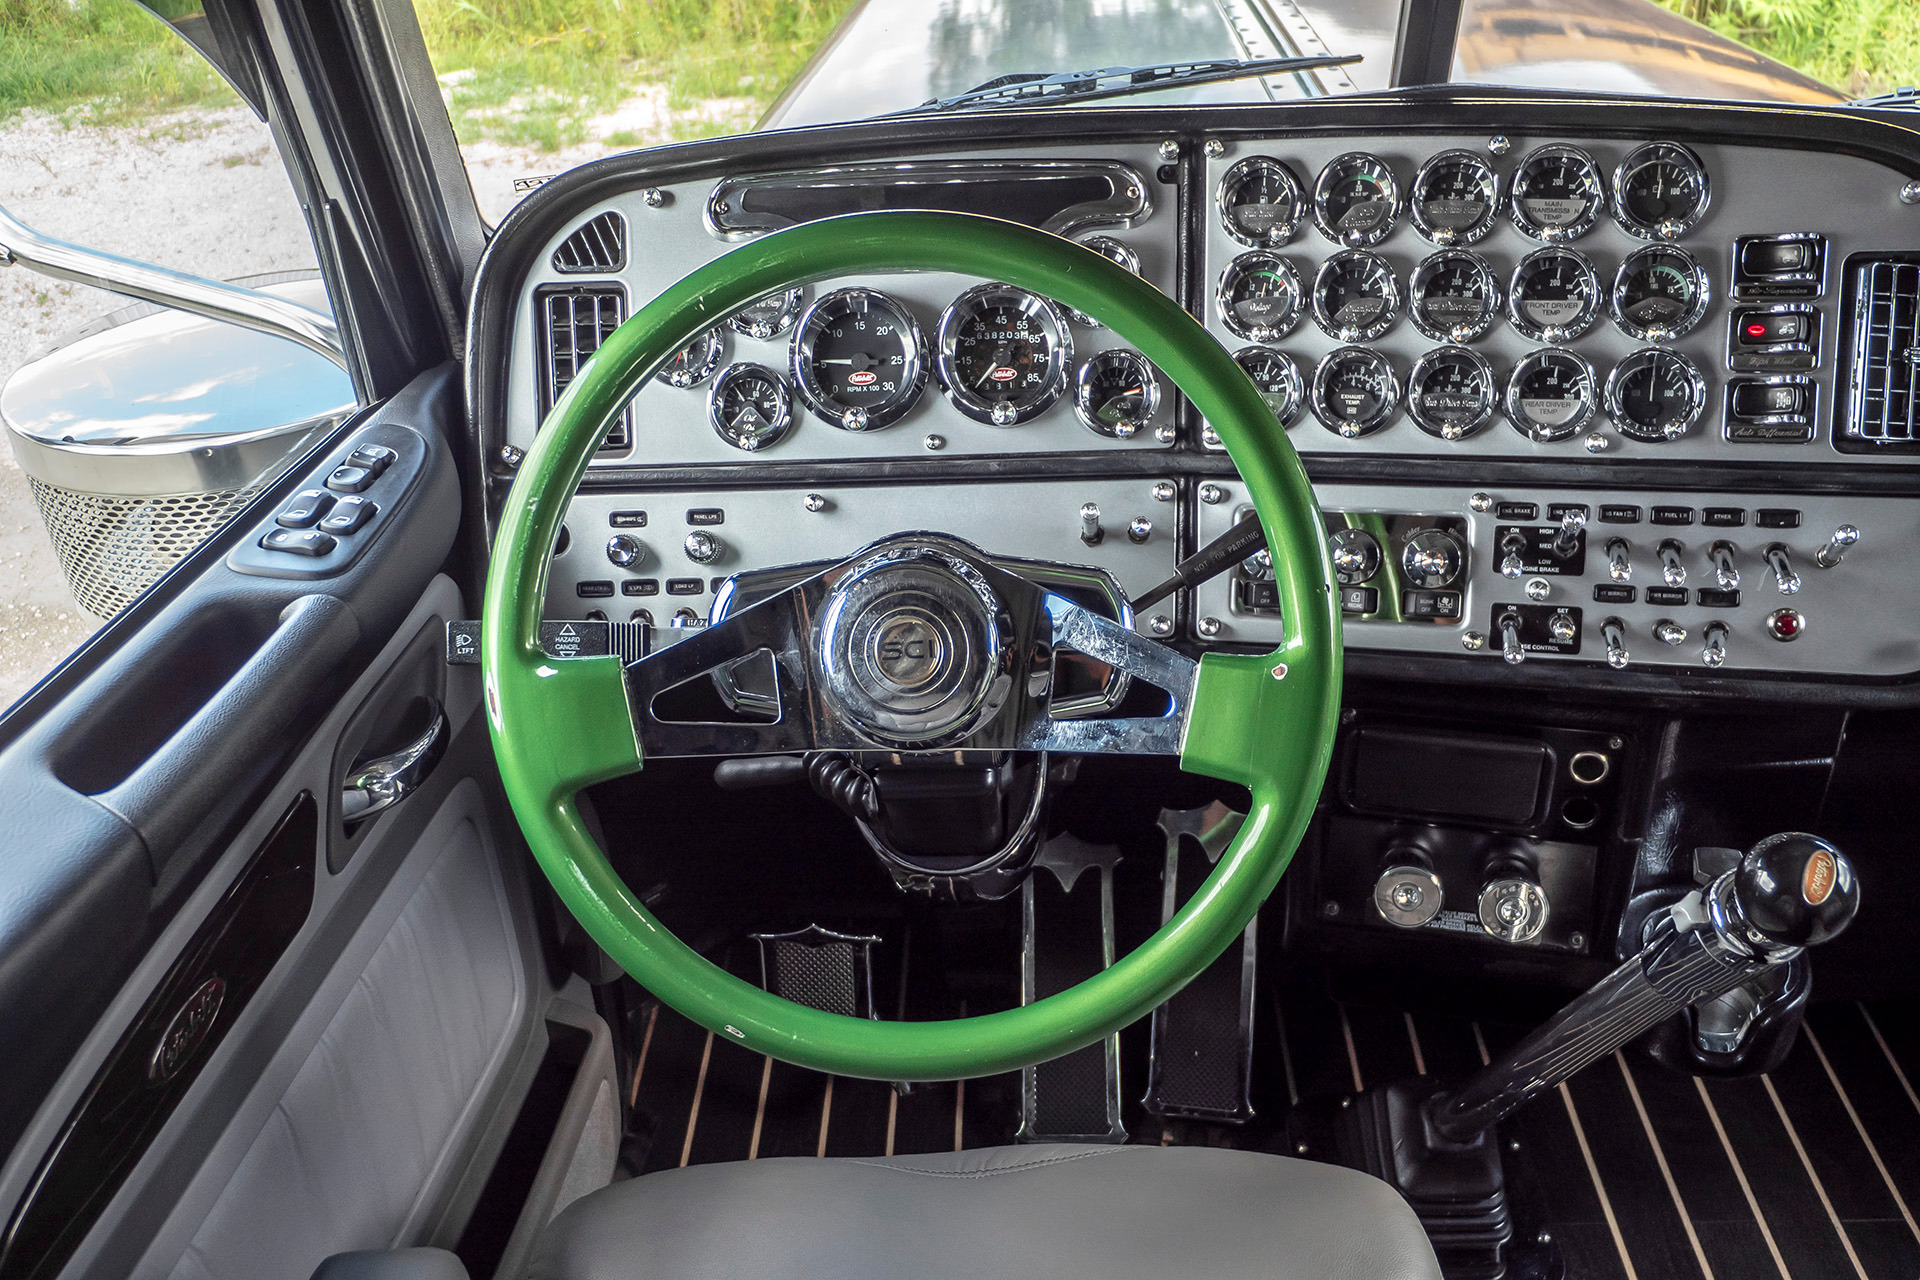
column 1212, row 494
column 934, row 442
column 1208, row 626
column 855, row 419
column 656, row 198
column 1299, row 1148
column 1473, row 641
column 1139, row 529
column 1577, row 941
column 1215, row 148
column 1910, row 193
column 1329, row 909
column 1210, row 436
column 1513, row 1144
column 1163, row 491
column 1160, row 624
column 816, row 502
column 1538, row 588
column 512, row 456
column 1594, row 443
column 1499, row 145
column 1346, row 1104
column 1481, row 503
column 1164, row 433
column 1169, row 149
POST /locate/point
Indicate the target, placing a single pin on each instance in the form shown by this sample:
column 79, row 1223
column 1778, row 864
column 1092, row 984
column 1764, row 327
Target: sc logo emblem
column 908, row 652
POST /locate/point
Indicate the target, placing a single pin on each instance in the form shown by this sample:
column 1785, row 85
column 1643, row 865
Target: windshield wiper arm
column 1908, row 97
column 1037, row 89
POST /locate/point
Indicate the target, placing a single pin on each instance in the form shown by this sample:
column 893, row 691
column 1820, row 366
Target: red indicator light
column 1756, row 331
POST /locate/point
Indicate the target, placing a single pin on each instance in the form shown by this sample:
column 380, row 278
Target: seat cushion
column 1060, row 1212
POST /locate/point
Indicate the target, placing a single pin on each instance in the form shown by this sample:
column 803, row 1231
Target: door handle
column 384, row 781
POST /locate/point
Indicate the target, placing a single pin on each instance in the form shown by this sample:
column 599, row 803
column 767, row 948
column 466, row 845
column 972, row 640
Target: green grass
column 1859, row 47
column 107, row 56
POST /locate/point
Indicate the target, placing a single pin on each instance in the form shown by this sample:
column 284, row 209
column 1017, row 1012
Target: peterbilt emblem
column 187, row 1030
column 1816, row 883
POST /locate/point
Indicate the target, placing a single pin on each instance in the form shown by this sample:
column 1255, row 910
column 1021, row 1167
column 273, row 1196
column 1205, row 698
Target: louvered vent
column 600, row 245
column 1882, row 397
column 573, row 324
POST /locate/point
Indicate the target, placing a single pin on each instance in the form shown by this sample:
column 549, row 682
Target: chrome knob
column 1090, row 531
column 1432, row 559
column 1619, row 566
column 1671, row 566
column 685, row 619
column 1614, row 633
column 1781, row 563
column 1830, row 556
column 1724, row 571
column 1259, row 565
column 1566, row 540
column 1667, row 631
column 1513, row 908
column 1510, row 639
column 702, row 547
column 1562, row 627
column 1513, row 552
column 625, row 551
column 1715, row 651
column 1356, row 555
column 1407, row 894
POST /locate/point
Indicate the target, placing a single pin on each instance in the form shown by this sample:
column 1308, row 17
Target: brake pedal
column 1201, row 1061
column 1067, row 937
column 816, row 967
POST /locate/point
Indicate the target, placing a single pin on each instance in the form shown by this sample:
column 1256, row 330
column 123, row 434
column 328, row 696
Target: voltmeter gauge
column 1659, row 293
column 1660, row 191
column 770, row 316
column 1355, row 296
column 1450, row 393
column 1455, row 198
column 1454, row 296
column 1261, row 202
column 1120, row 254
column 1278, row 379
column 1558, row 194
column 1554, row 296
column 1356, row 201
column 1116, row 393
column 694, row 363
column 1655, row 395
column 1354, row 392
column 749, row 407
column 1003, row 354
column 1259, row 297
column 858, row 359
column 1551, row 395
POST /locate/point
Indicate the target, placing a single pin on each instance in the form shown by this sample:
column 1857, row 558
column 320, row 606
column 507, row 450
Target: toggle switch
column 1667, row 631
column 1090, row 531
column 1510, row 649
column 1513, row 554
column 1672, row 568
column 1613, row 633
column 1714, row 652
column 1781, row 562
column 1566, row 540
column 1139, row 529
column 1724, row 571
column 1830, row 556
column 1619, row 566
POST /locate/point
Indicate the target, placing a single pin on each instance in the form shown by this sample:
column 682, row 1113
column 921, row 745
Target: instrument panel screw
column 1215, row 148
column 934, row 442
column 1208, row 626
column 1160, row 624
column 1164, row 433
column 656, row 198
column 1210, row 436
column 1538, row 588
column 1499, row 145
column 1616, row 743
column 512, row 456
column 1163, row 491
column 1299, row 1148
column 1513, row 1144
column 1329, row 909
column 1348, row 715
column 1346, row 1104
column 1169, row 149
column 1545, row 1237
column 1212, row 494
column 1481, row 503
column 1910, row 193
column 1577, row 940
column 1594, row 443
column 816, row 502
column 1473, row 641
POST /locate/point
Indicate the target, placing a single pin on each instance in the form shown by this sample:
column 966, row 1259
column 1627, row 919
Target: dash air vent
column 1880, row 395
column 574, row 321
column 599, row 245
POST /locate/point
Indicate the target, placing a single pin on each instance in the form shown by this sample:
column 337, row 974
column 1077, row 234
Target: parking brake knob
column 1795, row 890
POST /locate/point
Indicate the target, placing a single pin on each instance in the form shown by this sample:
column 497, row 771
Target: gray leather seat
column 1059, row 1212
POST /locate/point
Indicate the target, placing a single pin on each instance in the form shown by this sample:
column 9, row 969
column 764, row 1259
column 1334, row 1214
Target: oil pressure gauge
column 749, row 407
column 1356, row 200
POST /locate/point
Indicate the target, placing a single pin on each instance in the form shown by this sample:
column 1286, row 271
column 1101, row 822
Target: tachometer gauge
column 1261, row 202
column 1551, row 395
column 1455, row 198
column 770, row 316
column 1356, row 200
column 1116, row 393
column 1659, row 293
column 1450, row 393
column 1120, row 255
column 1655, row 395
column 694, row 363
column 749, row 407
column 1554, row 296
column 1003, row 354
column 1355, row 392
column 1259, row 296
column 858, row 359
column 1454, row 296
column 1659, row 191
column 1277, row 377
column 1355, row 296
column 1557, row 194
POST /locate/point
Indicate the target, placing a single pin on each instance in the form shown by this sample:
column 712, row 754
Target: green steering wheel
column 1267, row 722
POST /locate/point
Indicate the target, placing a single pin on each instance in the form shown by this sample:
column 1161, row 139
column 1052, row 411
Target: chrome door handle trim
column 379, row 784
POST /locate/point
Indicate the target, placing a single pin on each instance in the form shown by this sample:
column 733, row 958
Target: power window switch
column 350, row 516
column 373, row 457
column 299, row 542
column 350, row 478
column 306, row 509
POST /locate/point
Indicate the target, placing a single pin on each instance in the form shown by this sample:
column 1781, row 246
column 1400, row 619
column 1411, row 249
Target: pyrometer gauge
column 1276, row 377
column 1554, row 296
column 1659, row 293
column 1551, row 395
column 1116, row 393
column 1558, row 194
column 1355, row 392
column 1120, row 254
column 1455, row 198
column 1660, row 191
column 1355, row 296
column 858, row 360
column 1454, row 296
column 1003, row 354
column 1451, row 393
column 749, row 407
column 1259, row 297
column 1356, row 200
column 1655, row 395
column 1261, row 202
column 769, row 317
column 694, row 363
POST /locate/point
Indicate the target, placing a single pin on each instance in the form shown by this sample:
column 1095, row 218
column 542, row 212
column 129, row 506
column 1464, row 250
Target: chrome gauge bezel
column 913, row 370
column 1673, row 428
column 1556, row 233
column 1449, row 237
column 1483, row 408
column 1423, row 276
column 790, row 304
column 1120, row 254
column 1329, row 322
column 1357, row 237
column 1696, row 274
column 1548, row 434
column 1283, row 230
column 1237, row 270
column 705, row 354
column 1346, row 427
column 777, row 430
column 1126, row 429
column 1580, row 323
column 1652, row 153
column 1296, row 384
column 1040, row 311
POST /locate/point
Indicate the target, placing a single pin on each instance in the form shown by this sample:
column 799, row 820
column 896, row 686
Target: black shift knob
column 1796, row 890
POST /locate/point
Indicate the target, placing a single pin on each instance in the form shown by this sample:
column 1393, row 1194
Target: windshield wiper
column 1068, row 88
column 1908, row 97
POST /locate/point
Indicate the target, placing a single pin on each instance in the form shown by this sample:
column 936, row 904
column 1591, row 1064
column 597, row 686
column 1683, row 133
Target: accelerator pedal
column 1067, row 927
column 1202, row 1055
column 816, row 967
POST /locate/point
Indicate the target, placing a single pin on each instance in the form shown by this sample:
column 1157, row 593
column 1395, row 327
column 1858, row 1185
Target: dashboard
column 1596, row 393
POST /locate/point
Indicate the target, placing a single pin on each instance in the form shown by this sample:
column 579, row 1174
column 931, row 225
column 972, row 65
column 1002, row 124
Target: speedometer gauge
column 770, row 316
column 1455, row 198
column 1261, row 202
column 694, row 363
column 1259, row 296
column 1120, row 255
column 1555, row 295
column 1551, row 395
column 1355, row 392
column 1659, row 293
column 1116, row 393
column 1655, row 395
column 1557, row 194
column 1003, row 354
column 1454, row 296
column 1356, row 200
column 1276, row 376
column 858, row 359
column 1450, row 393
column 1355, row 296
column 1659, row 191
